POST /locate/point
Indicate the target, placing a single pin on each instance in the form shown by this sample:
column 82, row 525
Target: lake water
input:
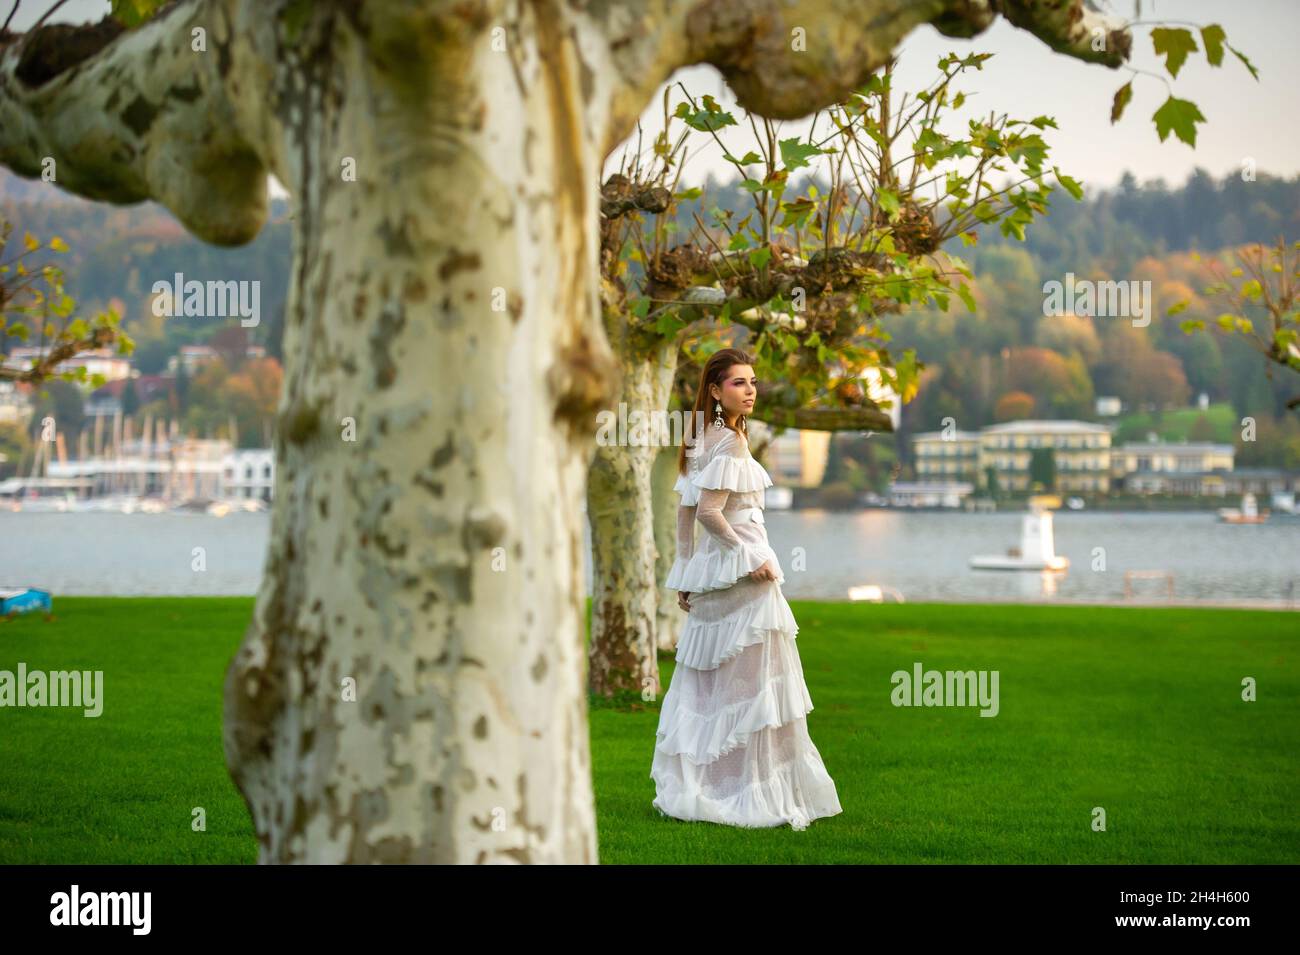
column 921, row 555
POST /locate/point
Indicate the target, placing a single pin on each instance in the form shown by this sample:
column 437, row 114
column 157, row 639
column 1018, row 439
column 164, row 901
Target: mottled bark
column 669, row 616
column 621, row 509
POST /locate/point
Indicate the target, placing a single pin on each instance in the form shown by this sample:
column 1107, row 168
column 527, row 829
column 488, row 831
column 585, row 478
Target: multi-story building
column 798, row 458
column 195, row 356
column 1081, row 451
column 96, row 361
column 948, row 455
column 1160, row 457
column 249, row 473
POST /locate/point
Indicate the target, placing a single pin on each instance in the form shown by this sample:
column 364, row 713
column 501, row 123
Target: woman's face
column 738, row 391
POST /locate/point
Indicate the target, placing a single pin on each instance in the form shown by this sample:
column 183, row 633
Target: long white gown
column 732, row 745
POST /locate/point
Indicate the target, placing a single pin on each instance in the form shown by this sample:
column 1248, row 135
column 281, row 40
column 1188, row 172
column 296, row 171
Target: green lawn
column 1177, row 424
column 1134, row 710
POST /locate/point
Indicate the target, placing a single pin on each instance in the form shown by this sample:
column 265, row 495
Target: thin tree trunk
column 625, row 580
column 669, row 618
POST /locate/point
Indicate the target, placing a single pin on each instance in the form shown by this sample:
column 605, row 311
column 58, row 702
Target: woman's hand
column 766, row 572
column 684, row 601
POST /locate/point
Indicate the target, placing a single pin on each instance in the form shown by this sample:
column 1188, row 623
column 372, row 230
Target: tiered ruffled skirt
column 732, row 745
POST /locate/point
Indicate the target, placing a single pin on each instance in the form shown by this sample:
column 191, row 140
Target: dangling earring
column 717, row 416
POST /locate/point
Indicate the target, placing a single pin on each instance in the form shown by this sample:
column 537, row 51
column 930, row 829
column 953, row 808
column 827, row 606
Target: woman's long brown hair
column 714, row 373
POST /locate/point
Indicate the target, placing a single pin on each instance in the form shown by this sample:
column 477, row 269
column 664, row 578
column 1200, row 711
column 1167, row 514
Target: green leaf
column 795, row 153
column 58, row 245
column 1178, row 307
column 1174, row 45
column 1252, row 289
column 738, row 241
column 797, row 212
column 1071, row 185
column 668, row 324
column 132, row 13
column 1226, row 321
column 759, row 257
column 1192, row 325
column 1122, row 97
column 712, row 117
column 1212, row 36
column 887, row 200
column 1242, row 56
column 1180, row 116
column 964, row 293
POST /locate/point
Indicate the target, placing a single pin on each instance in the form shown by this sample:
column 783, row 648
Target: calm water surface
column 922, row 556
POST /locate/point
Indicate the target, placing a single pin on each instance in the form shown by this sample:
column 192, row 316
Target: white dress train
column 732, row 745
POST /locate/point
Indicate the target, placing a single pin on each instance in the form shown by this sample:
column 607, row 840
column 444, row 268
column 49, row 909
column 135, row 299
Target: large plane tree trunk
column 444, row 370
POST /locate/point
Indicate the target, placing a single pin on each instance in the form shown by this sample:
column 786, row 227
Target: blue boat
column 23, row 600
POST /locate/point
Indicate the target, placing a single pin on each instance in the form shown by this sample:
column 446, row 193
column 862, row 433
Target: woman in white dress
column 732, row 745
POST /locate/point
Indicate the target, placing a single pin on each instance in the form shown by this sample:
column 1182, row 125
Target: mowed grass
column 1177, row 425
column 1136, row 711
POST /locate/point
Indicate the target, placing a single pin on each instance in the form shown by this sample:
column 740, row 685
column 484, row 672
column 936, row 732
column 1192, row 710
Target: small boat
column 48, row 503
column 1074, row 503
column 1037, row 550
column 1248, row 513
column 120, row 503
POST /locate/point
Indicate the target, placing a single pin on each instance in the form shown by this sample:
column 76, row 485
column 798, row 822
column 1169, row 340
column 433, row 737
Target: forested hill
column 1140, row 232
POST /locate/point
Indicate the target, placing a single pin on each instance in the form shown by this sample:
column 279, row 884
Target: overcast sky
column 1025, row 79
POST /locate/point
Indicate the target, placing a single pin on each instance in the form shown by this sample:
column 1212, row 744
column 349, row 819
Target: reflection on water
column 924, row 556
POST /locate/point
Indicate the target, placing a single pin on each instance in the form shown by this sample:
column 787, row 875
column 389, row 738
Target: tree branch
column 826, row 419
column 752, row 42
column 125, row 116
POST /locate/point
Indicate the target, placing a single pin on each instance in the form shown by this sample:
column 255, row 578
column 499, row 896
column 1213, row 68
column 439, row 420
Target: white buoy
column 1037, row 549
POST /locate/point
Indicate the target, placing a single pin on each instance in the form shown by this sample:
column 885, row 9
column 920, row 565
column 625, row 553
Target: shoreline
column 1137, row 603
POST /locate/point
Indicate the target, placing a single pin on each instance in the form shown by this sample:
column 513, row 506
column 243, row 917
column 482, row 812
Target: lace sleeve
column 685, row 531
column 709, row 513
